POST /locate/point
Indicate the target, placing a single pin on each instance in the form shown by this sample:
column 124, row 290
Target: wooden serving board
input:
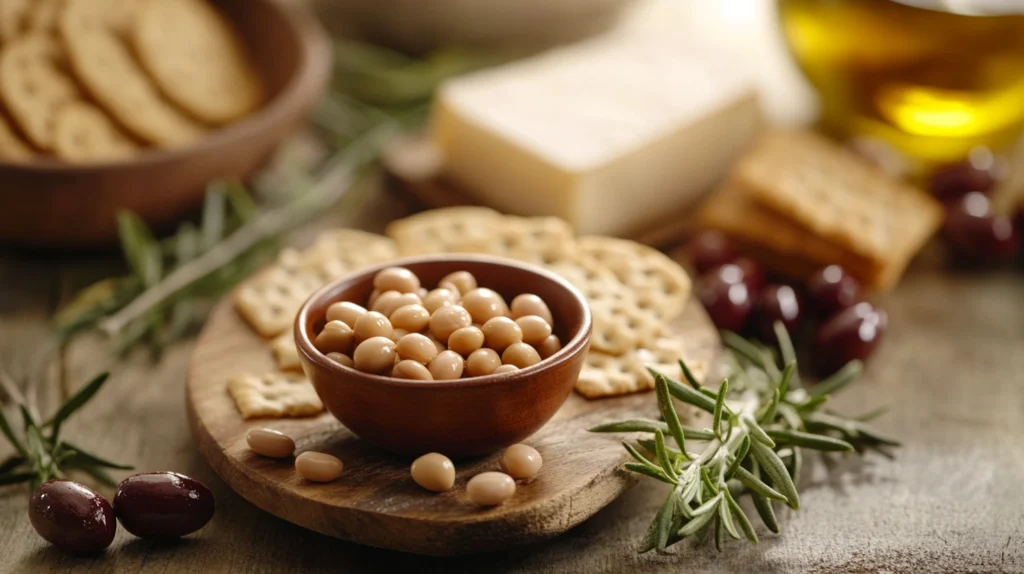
column 375, row 502
column 413, row 168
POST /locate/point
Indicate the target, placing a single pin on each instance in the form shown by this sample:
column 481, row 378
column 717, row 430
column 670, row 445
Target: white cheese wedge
column 613, row 135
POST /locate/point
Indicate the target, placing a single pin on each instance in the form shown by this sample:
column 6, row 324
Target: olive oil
column 931, row 81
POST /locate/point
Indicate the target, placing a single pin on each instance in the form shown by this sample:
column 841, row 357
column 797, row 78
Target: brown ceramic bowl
column 467, row 417
column 50, row 203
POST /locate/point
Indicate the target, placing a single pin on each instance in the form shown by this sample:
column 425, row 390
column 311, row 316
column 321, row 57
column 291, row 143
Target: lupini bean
column 318, row 466
column 270, row 443
column 521, row 461
column 490, row 488
column 433, row 471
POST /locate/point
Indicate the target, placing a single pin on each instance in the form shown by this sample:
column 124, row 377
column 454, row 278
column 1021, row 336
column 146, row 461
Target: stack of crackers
column 95, row 80
column 798, row 202
column 635, row 295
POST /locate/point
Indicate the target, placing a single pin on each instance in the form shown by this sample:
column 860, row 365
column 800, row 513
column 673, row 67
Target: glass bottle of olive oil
column 934, row 78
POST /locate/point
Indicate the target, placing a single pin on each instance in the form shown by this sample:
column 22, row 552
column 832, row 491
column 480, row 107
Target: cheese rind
column 612, row 135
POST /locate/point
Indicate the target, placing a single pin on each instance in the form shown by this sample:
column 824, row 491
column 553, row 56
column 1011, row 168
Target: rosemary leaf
column 738, row 456
column 639, row 457
column 741, row 517
column 94, row 471
column 16, row 478
column 664, row 521
column 809, row 440
column 796, row 464
column 758, row 433
column 651, row 471
column 668, row 410
column 699, row 522
column 838, row 380
column 5, row 427
column 744, row 348
column 777, row 472
column 757, row 486
column 768, row 416
column 11, row 463
column 725, row 515
column 666, row 463
column 766, row 512
column 75, row 402
column 705, row 478
column 716, row 426
column 213, row 225
column 690, row 396
column 83, row 457
column 719, row 535
column 871, row 415
column 708, row 506
column 688, row 375
column 632, row 425
column 787, row 351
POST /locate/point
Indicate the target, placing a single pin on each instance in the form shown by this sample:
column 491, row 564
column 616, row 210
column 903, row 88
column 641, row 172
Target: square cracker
column 274, row 395
column 620, row 324
column 285, row 352
column 605, row 375
column 658, row 284
column 270, row 300
column 837, row 196
column 782, row 244
column 537, row 240
column 440, row 230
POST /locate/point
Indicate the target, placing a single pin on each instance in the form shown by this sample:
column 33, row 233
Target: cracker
column 12, row 18
column 117, row 16
column 783, row 245
column 441, row 230
column 274, row 395
column 33, row 86
column 285, row 352
column 620, row 323
column 270, row 300
column 537, row 240
column 197, row 59
column 109, row 73
column 605, row 375
column 835, row 195
column 44, row 15
column 352, row 248
column 658, row 284
column 11, row 146
column 83, row 134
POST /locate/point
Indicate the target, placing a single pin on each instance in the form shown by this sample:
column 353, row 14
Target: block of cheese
column 613, row 135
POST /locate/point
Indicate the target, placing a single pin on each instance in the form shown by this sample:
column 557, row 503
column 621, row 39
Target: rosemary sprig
column 375, row 93
column 41, row 454
column 762, row 418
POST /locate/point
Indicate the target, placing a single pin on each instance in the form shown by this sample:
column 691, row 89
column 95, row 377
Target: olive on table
column 725, row 297
column 955, row 180
column 72, row 517
column 974, row 231
column 162, row 505
column 831, row 289
column 778, row 303
column 853, row 333
column 710, row 249
column 753, row 273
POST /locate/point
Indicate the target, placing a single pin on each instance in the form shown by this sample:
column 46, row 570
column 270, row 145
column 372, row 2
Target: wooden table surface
column 951, row 369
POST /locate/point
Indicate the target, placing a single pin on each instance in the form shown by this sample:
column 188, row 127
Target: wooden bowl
column 467, row 417
column 50, row 203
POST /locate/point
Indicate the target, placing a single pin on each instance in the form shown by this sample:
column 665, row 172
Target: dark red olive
column 72, row 517
column 753, row 273
column 778, row 303
column 162, row 504
column 853, row 333
column 953, row 181
column 726, row 297
column 709, row 249
column 978, row 234
column 831, row 289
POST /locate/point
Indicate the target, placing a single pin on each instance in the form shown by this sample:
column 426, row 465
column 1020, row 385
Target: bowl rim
column 312, row 71
column 576, row 343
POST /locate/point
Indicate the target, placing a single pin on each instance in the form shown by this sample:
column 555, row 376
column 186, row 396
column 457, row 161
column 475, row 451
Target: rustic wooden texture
column 375, row 501
column 52, row 203
column 950, row 369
